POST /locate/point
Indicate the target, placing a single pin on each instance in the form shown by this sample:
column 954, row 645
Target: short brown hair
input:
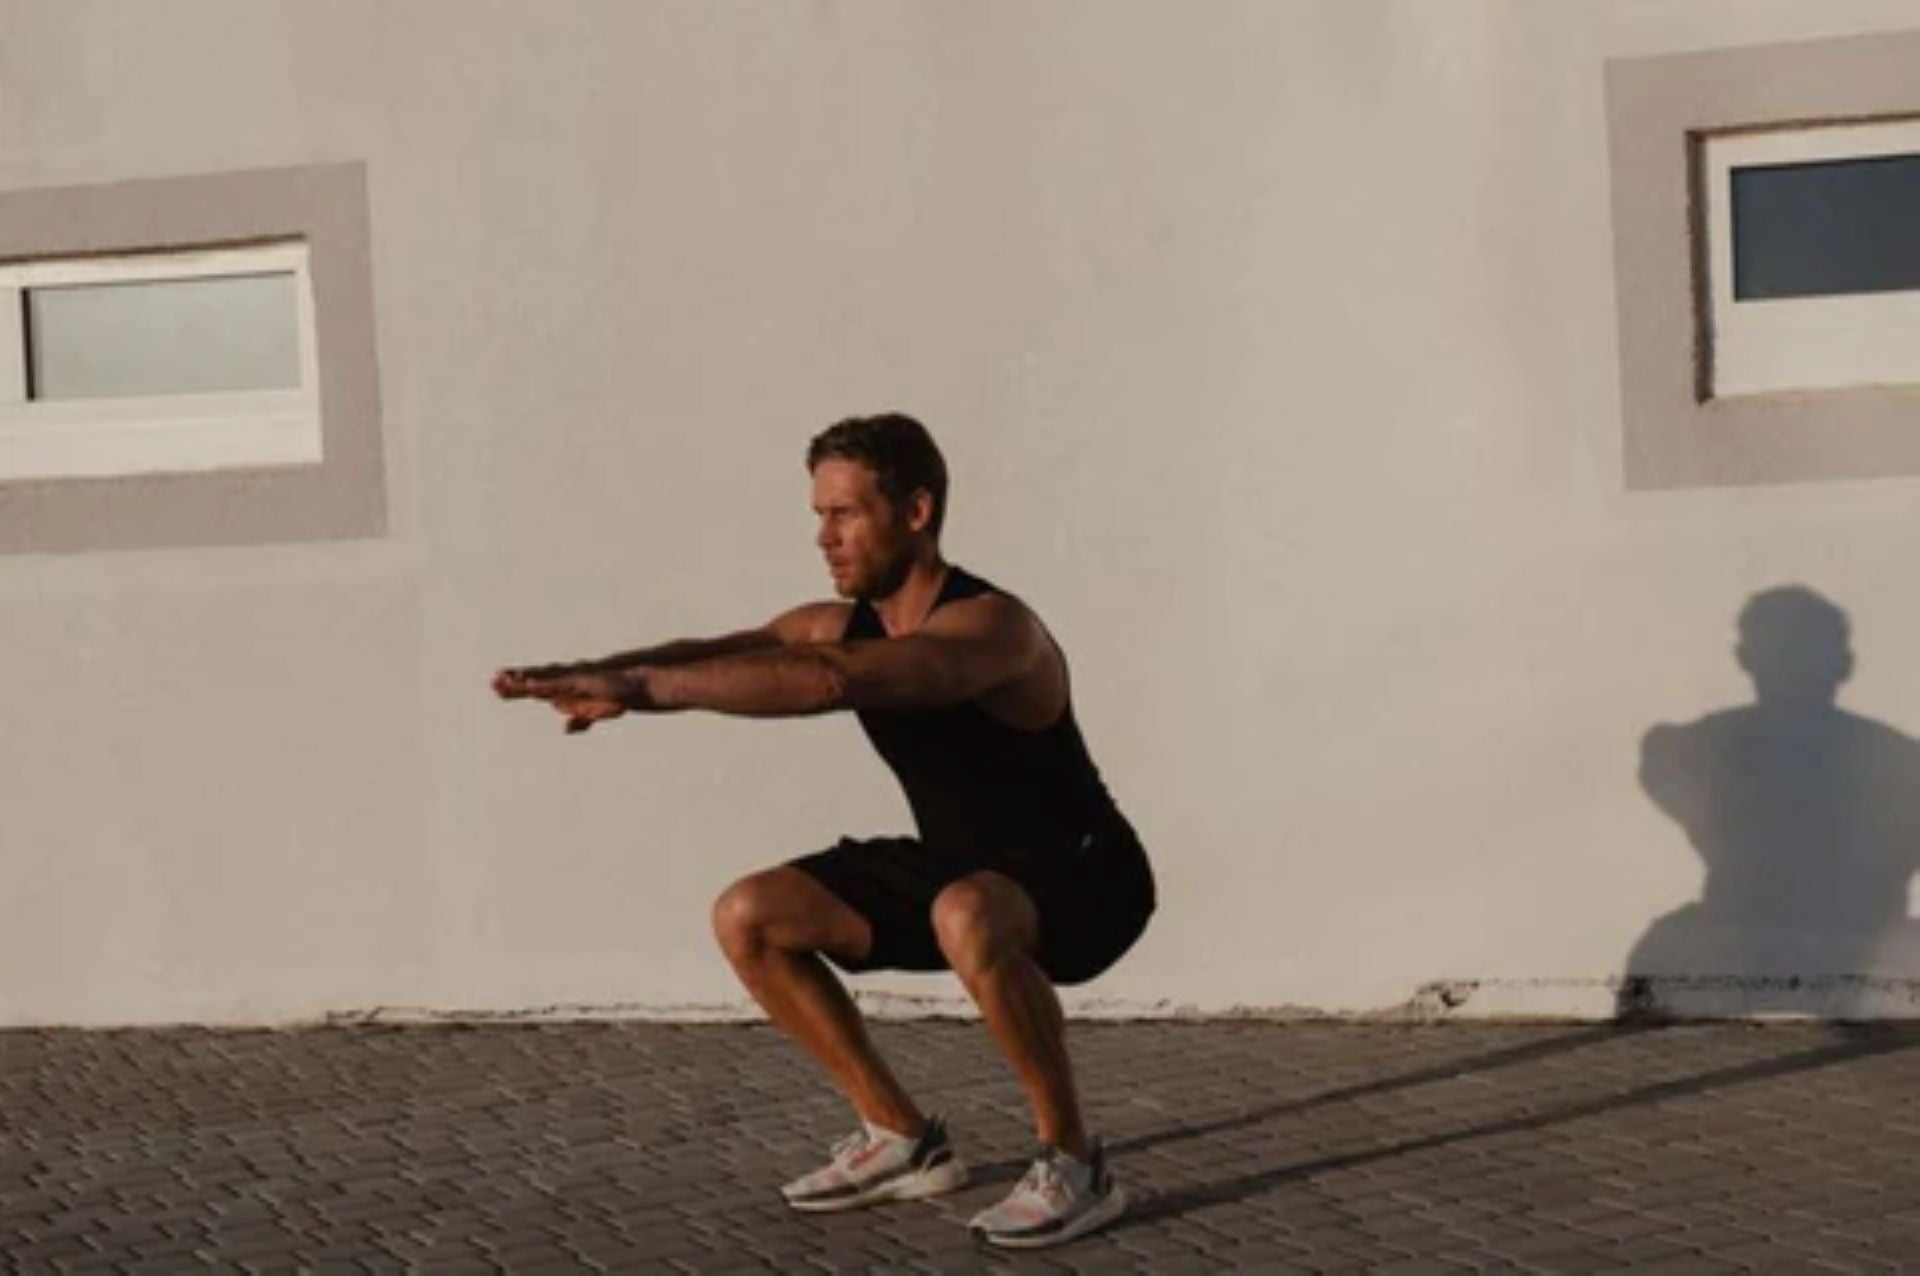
column 900, row 452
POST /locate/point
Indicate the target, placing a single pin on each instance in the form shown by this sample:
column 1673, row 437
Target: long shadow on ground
column 1450, row 1070
column 1865, row 1042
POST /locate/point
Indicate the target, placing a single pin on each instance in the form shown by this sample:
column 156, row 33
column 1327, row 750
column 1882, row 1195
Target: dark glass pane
column 1827, row 228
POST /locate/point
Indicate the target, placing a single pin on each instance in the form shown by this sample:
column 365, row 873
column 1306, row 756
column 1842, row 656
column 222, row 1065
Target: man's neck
column 907, row 608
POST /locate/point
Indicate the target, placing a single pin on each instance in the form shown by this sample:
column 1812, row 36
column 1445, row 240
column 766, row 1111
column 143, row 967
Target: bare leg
column 771, row 926
column 987, row 928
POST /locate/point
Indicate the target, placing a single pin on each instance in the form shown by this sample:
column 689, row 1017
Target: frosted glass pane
column 173, row 336
column 1827, row 228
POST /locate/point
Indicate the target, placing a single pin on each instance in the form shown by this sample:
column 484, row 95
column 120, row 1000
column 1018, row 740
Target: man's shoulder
column 813, row 622
column 991, row 610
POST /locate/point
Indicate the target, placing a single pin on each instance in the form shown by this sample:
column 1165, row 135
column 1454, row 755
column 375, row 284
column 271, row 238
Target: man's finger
column 546, row 689
column 524, row 682
column 543, row 681
column 576, row 725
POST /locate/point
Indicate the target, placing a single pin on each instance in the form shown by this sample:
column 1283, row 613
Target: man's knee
column 743, row 914
column 783, row 908
column 981, row 920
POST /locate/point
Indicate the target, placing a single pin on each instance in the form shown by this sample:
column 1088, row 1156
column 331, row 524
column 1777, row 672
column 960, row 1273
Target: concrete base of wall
column 1698, row 997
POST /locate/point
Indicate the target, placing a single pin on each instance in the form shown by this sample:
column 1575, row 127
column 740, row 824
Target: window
column 1813, row 276
column 158, row 362
column 189, row 361
column 1766, row 253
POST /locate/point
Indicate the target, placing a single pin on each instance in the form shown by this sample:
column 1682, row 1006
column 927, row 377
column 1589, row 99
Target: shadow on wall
column 1808, row 820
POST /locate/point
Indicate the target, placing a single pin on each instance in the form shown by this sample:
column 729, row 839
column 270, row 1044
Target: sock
column 1078, row 1172
column 880, row 1134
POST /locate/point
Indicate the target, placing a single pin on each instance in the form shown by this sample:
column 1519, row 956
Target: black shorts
column 1093, row 901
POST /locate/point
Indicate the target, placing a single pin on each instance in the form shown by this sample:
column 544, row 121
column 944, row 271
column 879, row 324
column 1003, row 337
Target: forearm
column 682, row 651
column 778, row 682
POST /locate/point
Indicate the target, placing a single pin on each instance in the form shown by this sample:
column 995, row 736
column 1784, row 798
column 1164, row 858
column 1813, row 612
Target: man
column 1024, row 874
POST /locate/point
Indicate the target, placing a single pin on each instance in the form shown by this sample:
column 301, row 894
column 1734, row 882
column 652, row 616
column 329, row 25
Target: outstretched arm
column 811, row 622
column 967, row 648
column 511, row 683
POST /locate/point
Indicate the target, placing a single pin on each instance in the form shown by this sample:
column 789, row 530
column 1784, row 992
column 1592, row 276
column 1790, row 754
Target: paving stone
column 1651, row 1250
column 1595, row 1258
column 1688, row 1265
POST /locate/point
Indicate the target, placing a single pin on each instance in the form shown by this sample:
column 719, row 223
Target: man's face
column 866, row 543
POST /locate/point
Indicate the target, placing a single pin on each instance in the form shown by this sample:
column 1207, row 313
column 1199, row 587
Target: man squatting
column 1024, row 874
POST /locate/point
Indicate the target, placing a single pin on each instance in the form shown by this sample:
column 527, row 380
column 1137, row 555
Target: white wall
column 1272, row 345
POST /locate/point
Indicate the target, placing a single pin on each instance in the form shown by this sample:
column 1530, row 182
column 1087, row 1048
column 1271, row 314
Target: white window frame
column 149, row 434
column 1767, row 345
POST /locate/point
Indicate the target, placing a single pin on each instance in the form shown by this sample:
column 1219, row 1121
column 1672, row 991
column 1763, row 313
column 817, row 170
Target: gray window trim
column 342, row 497
column 1658, row 109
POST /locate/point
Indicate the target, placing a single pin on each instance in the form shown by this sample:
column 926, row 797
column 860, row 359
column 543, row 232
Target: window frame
column 1661, row 112
column 341, row 497
column 162, row 433
column 1830, row 342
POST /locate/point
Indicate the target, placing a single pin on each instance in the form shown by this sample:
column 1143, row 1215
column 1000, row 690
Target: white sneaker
column 870, row 1166
column 1060, row 1198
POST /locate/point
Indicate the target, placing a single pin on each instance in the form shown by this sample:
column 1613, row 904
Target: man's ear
column 920, row 509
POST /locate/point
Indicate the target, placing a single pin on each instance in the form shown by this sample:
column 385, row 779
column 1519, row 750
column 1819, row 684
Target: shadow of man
column 1808, row 820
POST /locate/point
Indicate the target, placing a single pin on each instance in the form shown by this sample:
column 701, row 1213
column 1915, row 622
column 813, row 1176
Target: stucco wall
column 1273, row 349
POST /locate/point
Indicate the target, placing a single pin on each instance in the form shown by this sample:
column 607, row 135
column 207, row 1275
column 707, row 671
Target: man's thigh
column 891, row 883
column 1093, row 905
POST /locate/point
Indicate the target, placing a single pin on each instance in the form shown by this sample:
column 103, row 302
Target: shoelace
column 1044, row 1179
column 849, row 1145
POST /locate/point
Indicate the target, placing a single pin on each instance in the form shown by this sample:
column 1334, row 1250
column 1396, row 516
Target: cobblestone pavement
column 1269, row 1147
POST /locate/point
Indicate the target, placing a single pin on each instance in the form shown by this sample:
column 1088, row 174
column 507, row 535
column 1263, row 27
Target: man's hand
column 583, row 697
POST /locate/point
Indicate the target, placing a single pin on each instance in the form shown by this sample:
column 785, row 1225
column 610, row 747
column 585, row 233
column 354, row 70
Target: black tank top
column 977, row 783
